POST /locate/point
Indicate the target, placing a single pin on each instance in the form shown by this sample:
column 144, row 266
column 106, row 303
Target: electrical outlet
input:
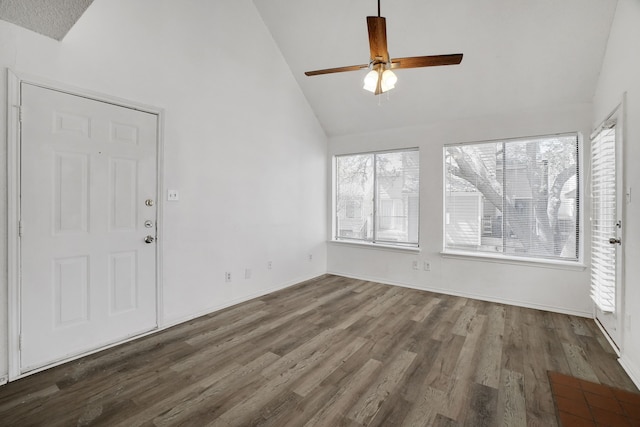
column 269, row 265
column 415, row 265
column 227, row 276
column 247, row 273
column 426, row 266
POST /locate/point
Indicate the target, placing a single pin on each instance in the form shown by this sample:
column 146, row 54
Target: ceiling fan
column 381, row 79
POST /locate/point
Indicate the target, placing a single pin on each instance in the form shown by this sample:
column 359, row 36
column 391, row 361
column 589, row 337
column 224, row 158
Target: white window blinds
column 603, row 218
column 516, row 198
column 377, row 197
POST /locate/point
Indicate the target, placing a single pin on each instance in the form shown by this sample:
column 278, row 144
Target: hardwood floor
column 328, row 352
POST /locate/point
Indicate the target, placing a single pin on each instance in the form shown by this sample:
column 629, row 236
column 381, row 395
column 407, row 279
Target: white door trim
column 14, row 80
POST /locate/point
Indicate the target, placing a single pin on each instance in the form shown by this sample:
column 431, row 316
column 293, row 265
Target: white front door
column 88, row 192
column 606, row 228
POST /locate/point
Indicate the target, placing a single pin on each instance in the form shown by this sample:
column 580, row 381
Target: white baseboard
column 604, row 332
column 518, row 303
column 631, row 369
column 3, row 380
column 226, row 304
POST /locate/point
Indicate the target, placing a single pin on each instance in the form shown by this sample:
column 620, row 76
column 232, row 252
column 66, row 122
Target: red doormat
column 586, row 404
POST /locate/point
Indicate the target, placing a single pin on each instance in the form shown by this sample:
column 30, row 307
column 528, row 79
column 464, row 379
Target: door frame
column 619, row 115
column 14, row 102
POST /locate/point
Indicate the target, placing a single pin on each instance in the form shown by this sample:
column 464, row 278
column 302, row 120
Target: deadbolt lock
column 148, row 202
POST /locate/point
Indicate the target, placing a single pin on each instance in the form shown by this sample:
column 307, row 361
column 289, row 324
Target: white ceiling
column 518, row 55
column 52, row 18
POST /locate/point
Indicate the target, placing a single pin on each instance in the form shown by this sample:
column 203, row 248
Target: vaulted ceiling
column 518, row 56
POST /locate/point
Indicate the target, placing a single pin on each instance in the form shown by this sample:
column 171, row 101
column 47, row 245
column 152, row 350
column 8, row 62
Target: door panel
column 71, row 288
column 88, row 278
column 123, row 282
column 123, row 210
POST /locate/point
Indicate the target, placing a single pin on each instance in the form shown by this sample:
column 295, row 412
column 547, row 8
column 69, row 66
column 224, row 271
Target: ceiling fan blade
column 377, row 27
column 336, row 70
column 426, row 61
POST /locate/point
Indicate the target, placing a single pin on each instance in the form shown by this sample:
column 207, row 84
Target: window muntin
column 376, row 197
column 517, row 198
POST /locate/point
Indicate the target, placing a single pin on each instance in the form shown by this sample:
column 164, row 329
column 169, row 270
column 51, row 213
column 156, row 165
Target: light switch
column 172, row 195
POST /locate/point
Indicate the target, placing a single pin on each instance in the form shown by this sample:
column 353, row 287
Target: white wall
column 556, row 289
column 621, row 73
column 241, row 143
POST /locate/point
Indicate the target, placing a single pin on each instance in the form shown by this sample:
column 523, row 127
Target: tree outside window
column 516, row 197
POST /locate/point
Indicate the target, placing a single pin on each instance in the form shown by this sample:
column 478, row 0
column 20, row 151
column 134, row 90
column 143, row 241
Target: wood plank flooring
column 328, row 352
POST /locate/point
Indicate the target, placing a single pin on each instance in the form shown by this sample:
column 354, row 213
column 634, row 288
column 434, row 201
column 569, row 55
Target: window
column 515, row 198
column 376, row 199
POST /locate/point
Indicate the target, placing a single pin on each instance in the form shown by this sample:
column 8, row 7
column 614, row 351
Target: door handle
column 614, row 241
column 149, row 239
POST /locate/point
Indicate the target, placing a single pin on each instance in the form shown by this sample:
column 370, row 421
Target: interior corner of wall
column 631, row 368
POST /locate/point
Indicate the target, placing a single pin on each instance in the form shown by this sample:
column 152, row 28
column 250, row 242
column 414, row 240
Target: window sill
column 542, row 263
column 375, row 246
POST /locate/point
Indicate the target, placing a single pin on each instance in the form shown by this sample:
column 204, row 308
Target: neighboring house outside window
column 376, row 197
column 514, row 198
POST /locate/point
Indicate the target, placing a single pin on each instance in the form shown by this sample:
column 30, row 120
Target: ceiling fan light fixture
column 389, row 80
column 371, row 81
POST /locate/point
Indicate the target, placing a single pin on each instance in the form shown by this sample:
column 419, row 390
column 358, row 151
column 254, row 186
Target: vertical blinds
column 603, row 218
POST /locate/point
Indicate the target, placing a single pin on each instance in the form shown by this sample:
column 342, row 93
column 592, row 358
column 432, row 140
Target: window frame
column 374, row 241
column 571, row 263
